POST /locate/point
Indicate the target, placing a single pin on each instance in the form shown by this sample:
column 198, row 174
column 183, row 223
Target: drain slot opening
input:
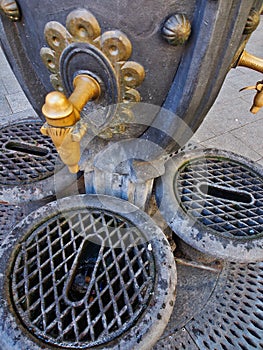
column 83, row 273
column 226, row 193
column 26, row 148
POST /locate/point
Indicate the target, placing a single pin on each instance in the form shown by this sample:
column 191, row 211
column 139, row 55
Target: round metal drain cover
column 89, row 271
column 232, row 317
column 26, row 155
column 213, row 200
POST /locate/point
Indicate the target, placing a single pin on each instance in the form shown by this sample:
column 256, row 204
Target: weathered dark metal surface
column 80, row 58
column 26, row 155
column 10, row 215
column 49, row 276
column 222, row 182
column 87, row 271
column 27, row 162
column 185, row 80
column 212, row 199
column 95, row 298
column 231, row 319
column 142, row 29
column 215, row 308
column 195, row 287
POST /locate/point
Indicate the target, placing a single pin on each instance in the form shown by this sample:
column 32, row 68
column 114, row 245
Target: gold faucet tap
column 258, row 99
column 255, row 63
column 62, row 114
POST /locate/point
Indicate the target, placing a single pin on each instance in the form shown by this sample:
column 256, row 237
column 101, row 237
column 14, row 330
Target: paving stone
column 3, row 90
column 252, row 135
column 223, row 118
column 11, row 84
column 18, row 102
column 235, row 78
column 227, row 95
column 15, row 117
column 231, row 143
column 203, row 133
column 260, row 161
column 5, row 109
column 3, row 62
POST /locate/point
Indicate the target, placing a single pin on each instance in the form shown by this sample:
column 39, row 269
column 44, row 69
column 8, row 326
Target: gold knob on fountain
column 58, row 110
column 63, row 113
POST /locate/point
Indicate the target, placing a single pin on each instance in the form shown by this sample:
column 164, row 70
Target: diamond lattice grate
column 83, row 279
column 26, row 155
column 227, row 217
column 233, row 317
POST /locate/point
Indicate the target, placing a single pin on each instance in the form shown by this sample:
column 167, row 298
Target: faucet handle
column 258, row 99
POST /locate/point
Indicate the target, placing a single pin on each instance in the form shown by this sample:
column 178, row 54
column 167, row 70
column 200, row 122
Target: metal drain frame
column 57, row 182
column 10, row 215
column 151, row 323
column 24, row 192
column 231, row 319
column 194, row 233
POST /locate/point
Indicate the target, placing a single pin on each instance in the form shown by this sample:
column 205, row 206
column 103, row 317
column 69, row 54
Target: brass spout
column 258, row 99
column 63, row 119
column 251, row 61
column 85, row 88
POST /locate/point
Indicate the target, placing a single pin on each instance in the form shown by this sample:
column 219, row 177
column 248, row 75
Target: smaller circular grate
column 222, row 194
column 26, row 155
column 219, row 196
column 86, row 276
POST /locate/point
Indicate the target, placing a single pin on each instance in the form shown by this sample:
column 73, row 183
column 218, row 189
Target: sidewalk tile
column 4, row 107
column 18, row 102
column 230, row 143
column 252, row 135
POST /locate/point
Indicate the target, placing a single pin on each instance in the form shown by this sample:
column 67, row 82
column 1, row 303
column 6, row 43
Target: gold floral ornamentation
column 82, row 26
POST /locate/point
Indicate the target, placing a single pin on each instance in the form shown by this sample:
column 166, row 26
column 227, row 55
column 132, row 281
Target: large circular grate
column 85, row 276
column 231, row 319
column 94, row 299
column 219, row 196
column 26, row 155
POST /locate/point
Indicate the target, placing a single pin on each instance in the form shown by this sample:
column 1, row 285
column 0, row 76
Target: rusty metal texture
column 10, row 215
column 26, row 155
column 232, row 317
column 89, row 271
column 212, row 199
